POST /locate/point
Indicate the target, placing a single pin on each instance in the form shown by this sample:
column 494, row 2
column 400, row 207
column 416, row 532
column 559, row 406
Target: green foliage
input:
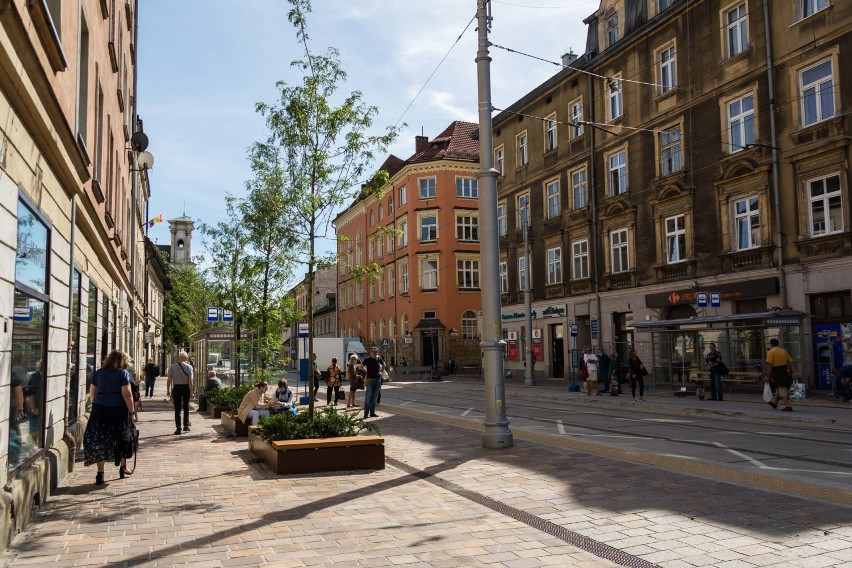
column 230, row 397
column 185, row 304
column 326, row 423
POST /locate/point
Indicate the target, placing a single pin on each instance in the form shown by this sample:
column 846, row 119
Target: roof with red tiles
column 454, row 143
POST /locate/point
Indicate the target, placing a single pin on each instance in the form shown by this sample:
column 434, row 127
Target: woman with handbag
column 637, row 374
column 333, row 382
column 353, row 377
column 113, row 412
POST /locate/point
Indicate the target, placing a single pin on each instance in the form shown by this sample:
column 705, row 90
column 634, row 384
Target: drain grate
column 585, row 543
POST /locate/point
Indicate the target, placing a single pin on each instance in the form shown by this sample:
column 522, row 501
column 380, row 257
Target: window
column 373, row 291
column 522, row 272
column 402, row 198
column 502, row 222
column 736, row 27
column 499, row 159
column 381, row 212
column 521, row 144
column 811, row 7
column 403, row 278
column 747, row 220
column 550, row 133
column 613, row 90
column 826, row 205
column 380, row 241
column 663, row 4
column 504, row 278
column 523, row 209
column 580, row 254
column 817, row 84
column 619, row 251
column 576, row 118
column 467, row 227
column 612, row 30
column 403, row 325
column 470, row 327
column 670, row 155
column 554, row 266
column 403, row 233
column 428, row 228
column 360, row 249
column 428, row 274
column 390, row 205
column 741, row 123
column 381, row 288
column 578, row 188
column 391, row 282
column 618, row 172
column 372, row 217
column 668, row 75
column 675, row 239
column 554, row 205
column 427, row 188
column 83, row 82
column 466, row 187
column 468, row 273
column 371, row 255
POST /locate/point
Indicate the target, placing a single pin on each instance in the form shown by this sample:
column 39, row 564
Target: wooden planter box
column 214, row 411
column 202, row 403
column 317, row 455
column 234, row 425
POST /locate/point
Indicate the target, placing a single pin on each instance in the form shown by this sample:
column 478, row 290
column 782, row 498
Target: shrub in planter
column 326, row 423
column 228, row 397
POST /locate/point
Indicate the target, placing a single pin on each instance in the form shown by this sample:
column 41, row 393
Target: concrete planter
column 234, row 425
column 318, row 455
column 202, row 403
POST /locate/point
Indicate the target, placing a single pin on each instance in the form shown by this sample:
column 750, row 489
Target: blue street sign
column 227, row 315
column 303, row 330
column 23, row 313
column 385, row 342
column 701, row 299
column 212, row 314
column 594, row 325
column 573, row 330
column 715, row 299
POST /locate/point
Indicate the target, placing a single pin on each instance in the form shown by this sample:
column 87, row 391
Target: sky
column 203, row 65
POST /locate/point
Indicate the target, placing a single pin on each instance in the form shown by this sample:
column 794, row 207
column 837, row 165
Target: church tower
column 181, row 229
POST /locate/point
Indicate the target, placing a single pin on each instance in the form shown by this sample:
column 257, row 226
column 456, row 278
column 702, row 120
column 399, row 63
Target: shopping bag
column 797, row 391
column 767, row 392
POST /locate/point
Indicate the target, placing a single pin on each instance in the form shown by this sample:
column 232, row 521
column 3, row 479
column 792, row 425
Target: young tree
column 185, row 305
column 324, row 151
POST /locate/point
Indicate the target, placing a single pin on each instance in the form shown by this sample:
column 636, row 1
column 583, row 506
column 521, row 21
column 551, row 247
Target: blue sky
column 204, row 64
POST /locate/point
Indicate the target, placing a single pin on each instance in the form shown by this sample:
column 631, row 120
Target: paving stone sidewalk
column 201, row 500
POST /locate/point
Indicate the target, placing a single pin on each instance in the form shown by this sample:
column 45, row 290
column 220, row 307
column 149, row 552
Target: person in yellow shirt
column 780, row 370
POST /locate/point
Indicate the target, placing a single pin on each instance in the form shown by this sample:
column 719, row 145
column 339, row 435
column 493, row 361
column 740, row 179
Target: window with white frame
column 403, row 233
column 523, row 209
column 390, row 238
column 580, row 259
column 521, row 147
column 467, row 227
column 617, row 172
column 381, row 212
column 428, row 228
column 613, row 90
column 554, row 265
column 666, row 62
column 372, row 330
column 381, row 288
column 390, row 204
column 466, row 187
column 372, row 217
column 499, row 159
column 402, row 196
column 392, row 329
column 747, row 222
column 380, row 240
column 467, row 272
column 817, row 92
column 576, row 118
column 579, row 192
column 373, row 291
column 403, row 278
column 670, row 151
column 403, row 325
column 428, row 274
column 811, row 7
column 427, row 188
column 522, row 272
column 741, row 123
column 391, row 282
column 825, row 205
column 675, row 239
column 550, row 133
column 736, row 29
column 470, row 327
column 612, row 30
column 619, row 251
column 371, row 256
column 554, row 202
column 502, row 222
column 360, row 249
column 504, row 277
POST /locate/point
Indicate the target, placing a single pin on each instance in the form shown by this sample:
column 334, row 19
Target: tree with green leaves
column 324, row 151
column 185, row 304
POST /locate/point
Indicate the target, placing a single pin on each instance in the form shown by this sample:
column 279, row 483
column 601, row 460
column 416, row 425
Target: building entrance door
column 429, row 343
column 557, row 348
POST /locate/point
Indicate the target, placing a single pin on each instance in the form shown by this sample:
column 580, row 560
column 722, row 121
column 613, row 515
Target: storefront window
column 74, row 363
column 31, row 261
column 92, row 334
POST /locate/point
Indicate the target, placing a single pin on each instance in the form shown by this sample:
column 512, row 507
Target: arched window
column 470, row 328
column 392, row 329
column 372, row 217
column 403, row 325
column 381, row 212
column 390, row 204
column 360, row 249
column 382, row 329
column 372, row 331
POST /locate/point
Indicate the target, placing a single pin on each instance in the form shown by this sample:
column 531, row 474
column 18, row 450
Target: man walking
column 779, row 370
column 713, row 361
column 374, row 365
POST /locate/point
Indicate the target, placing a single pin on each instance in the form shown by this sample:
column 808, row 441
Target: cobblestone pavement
column 200, row 499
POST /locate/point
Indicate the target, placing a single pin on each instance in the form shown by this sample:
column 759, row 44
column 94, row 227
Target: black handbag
column 722, row 369
column 127, row 446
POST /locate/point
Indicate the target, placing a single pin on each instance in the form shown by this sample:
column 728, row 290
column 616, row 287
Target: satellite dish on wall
column 139, row 141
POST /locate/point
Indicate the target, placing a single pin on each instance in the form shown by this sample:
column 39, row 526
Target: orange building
column 421, row 236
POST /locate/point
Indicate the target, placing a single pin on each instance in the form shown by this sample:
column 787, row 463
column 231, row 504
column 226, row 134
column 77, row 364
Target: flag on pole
column 155, row 220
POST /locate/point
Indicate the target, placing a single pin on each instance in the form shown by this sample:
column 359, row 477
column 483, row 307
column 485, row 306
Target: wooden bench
column 320, row 454
column 471, row 369
column 731, row 379
column 420, row 372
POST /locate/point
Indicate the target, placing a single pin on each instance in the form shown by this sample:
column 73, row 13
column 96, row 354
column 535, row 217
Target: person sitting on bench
column 253, row 406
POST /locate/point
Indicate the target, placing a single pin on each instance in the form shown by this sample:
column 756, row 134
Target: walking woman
column 180, row 387
column 333, row 382
column 352, row 377
column 637, row 374
column 112, row 413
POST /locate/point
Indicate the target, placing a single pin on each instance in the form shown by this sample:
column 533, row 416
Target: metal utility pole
column 530, row 359
column 497, row 433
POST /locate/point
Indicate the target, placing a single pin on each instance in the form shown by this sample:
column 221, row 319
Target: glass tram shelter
column 678, row 347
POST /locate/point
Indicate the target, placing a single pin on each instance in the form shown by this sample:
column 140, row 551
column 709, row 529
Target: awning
column 766, row 319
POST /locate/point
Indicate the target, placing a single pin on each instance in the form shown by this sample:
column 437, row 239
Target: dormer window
column 612, row 29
